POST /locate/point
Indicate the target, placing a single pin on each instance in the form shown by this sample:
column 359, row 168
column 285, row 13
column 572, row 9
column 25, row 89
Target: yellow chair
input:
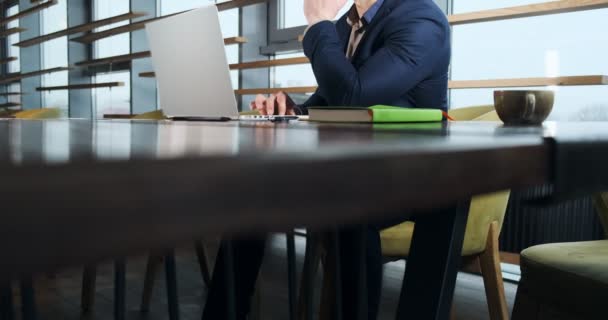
column 44, row 113
column 480, row 246
column 152, row 115
column 565, row 280
column 490, row 116
column 470, row 113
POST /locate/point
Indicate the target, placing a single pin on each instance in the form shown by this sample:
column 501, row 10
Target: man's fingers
column 281, row 103
column 259, row 103
column 270, row 104
column 288, row 101
column 266, row 106
column 260, row 98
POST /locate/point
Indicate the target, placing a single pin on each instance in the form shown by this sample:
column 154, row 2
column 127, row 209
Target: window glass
column 460, row 6
column 12, row 51
column 299, row 75
column 229, row 21
column 14, row 87
column 114, row 45
column 13, row 66
column 114, row 100
column 54, row 53
column 568, row 44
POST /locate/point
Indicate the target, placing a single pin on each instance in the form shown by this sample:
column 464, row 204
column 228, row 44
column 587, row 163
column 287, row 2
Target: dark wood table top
column 76, row 191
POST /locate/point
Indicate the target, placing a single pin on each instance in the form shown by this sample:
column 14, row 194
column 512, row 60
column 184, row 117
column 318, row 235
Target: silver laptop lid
column 190, row 64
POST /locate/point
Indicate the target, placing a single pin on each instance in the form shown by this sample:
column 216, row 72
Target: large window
column 566, row 44
column 118, row 44
column 12, row 51
column 112, row 100
column 115, row 100
column 54, row 53
column 13, row 66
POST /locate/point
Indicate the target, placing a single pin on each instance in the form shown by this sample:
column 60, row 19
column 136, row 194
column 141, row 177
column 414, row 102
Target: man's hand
column 276, row 104
column 319, row 10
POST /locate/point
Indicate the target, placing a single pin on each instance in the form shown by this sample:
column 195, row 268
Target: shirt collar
column 353, row 16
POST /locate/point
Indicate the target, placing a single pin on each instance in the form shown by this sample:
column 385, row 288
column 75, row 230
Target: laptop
column 189, row 58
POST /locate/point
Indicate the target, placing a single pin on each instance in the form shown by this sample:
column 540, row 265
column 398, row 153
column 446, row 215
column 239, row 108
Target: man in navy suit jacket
column 402, row 58
column 393, row 52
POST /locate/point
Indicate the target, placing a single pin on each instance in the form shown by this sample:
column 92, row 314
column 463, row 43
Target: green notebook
column 375, row 114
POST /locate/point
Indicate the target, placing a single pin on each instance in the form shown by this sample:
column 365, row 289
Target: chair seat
column 573, row 276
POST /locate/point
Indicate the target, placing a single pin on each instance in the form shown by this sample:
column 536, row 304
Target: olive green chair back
column 484, row 209
column 601, row 204
column 44, row 113
column 490, row 116
column 469, row 113
column 152, row 115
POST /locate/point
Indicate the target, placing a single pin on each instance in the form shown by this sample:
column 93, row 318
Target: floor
column 58, row 296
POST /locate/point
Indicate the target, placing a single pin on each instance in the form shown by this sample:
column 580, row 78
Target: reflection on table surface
column 60, row 141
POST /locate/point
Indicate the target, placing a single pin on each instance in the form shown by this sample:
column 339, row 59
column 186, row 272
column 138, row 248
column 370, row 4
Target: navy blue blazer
column 402, row 59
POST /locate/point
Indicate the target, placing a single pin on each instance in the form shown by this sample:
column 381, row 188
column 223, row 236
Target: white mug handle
column 530, row 106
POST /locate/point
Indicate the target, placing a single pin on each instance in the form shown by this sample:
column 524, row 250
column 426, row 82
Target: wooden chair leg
column 87, row 298
column 154, row 262
column 489, row 261
column 203, row 262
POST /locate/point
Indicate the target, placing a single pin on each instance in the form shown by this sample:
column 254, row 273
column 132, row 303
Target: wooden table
column 76, row 192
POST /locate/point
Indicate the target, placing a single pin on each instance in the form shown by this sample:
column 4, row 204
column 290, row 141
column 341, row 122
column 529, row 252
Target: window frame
column 280, row 39
column 276, row 33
